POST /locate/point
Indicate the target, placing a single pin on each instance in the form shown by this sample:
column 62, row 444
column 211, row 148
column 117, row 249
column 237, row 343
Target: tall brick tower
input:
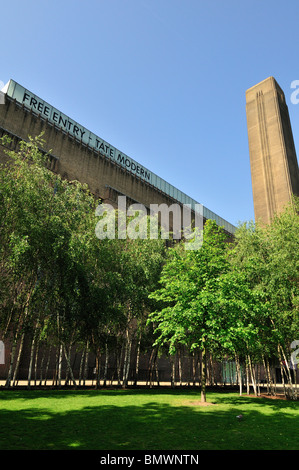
column 273, row 160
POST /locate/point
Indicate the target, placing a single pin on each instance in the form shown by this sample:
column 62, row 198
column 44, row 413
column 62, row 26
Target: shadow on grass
column 147, row 426
column 222, row 397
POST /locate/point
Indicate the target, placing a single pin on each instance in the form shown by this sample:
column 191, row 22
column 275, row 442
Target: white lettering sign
column 51, row 114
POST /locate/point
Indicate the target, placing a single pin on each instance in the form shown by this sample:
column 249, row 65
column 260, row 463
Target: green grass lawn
column 144, row 420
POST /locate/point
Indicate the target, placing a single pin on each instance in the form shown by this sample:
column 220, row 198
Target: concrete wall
column 76, row 161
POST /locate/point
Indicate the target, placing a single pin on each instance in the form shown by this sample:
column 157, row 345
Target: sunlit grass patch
column 145, row 420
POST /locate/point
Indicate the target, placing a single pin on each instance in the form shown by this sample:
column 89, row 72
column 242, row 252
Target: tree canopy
column 62, row 287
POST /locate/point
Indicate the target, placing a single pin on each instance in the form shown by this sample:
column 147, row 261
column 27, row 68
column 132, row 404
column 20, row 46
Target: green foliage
column 58, row 280
column 61, row 285
column 188, row 293
column 233, row 299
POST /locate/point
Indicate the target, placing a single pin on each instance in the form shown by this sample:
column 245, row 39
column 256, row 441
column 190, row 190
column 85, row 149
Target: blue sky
column 164, row 81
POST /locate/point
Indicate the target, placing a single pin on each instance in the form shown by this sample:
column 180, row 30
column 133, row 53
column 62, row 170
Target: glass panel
column 11, row 88
column 18, row 93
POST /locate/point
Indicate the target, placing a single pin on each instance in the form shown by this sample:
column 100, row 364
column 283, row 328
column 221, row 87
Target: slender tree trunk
column 98, row 369
column 137, row 359
column 157, row 370
column 35, row 363
column 5, row 330
column 69, row 369
column 152, row 367
column 47, row 366
column 239, row 373
column 208, row 371
column 231, row 373
column 67, row 357
column 270, row 387
column 118, row 364
column 180, row 366
column 247, row 378
column 42, row 366
column 291, row 392
column 282, row 373
column 22, row 318
column 274, row 378
column 149, row 368
column 86, row 363
column 212, row 370
column 172, row 362
column 203, row 374
column 31, row 360
column 81, row 367
column 67, row 372
column 60, row 357
column 106, row 363
column 252, row 374
column 21, row 321
column 258, row 379
column 18, row 359
column 12, row 358
column 193, row 369
column 295, row 379
column 55, row 371
column 127, row 359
